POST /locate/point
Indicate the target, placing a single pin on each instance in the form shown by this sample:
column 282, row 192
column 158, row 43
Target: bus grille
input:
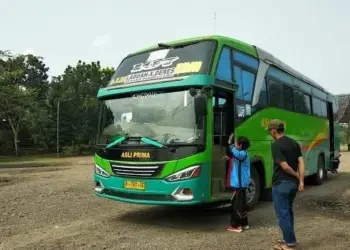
column 136, row 170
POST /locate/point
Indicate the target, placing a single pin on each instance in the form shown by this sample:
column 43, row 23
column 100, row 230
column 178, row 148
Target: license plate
column 138, row 185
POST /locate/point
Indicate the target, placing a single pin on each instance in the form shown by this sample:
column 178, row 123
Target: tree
column 76, row 90
column 28, row 102
column 17, row 101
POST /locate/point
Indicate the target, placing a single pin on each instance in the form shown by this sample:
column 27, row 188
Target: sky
column 312, row 36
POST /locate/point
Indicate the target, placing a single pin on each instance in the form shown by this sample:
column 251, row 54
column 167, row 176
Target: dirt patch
column 56, row 209
column 7, row 180
column 27, row 171
column 41, row 170
column 329, row 205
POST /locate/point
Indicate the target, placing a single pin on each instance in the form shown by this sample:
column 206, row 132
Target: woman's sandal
column 282, row 242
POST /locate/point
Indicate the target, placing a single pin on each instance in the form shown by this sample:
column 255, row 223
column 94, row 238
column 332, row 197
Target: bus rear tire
column 254, row 189
column 321, row 173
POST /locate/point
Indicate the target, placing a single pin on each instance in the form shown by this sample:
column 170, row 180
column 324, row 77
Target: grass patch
column 38, row 161
column 8, row 159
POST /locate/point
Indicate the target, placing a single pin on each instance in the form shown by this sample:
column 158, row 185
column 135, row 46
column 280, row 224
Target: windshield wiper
column 155, row 143
column 115, row 142
column 142, row 139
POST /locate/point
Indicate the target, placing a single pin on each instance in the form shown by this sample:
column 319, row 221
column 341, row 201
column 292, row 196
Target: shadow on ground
column 198, row 218
column 327, row 200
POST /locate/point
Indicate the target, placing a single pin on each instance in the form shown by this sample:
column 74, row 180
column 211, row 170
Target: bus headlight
column 100, row 171
column 185, row 174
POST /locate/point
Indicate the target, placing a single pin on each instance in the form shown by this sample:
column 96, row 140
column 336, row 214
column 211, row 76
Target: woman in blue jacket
column 240, row 180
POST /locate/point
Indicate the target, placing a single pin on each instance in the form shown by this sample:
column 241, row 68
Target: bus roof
column 247, row 48
column 270, row 59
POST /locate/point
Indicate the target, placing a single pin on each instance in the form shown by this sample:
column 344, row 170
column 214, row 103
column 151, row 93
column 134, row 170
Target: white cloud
column 101, row 41
column 29, row 51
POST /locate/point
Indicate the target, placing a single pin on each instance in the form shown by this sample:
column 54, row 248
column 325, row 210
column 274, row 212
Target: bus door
column 331, row 127
column 223, row 126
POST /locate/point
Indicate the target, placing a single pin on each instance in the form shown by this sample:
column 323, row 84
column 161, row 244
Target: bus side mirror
column 200, row 105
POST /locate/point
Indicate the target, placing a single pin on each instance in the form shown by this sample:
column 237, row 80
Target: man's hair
column 276, row 124
column 244, row 142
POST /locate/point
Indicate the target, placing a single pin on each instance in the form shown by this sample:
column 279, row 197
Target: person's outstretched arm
column 238, row 154
column 301, row 169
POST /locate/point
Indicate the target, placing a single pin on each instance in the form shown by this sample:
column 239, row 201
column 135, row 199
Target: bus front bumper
column 155, row 192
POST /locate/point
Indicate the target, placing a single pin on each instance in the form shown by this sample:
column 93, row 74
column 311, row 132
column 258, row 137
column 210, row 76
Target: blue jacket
column 241, row 162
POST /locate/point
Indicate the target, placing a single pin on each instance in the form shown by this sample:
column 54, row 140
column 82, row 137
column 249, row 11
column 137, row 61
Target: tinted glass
column 245, row 81
column 302, row 102
column 288, row 98
column 245, row 59
column 224, row 70
column 275, row 94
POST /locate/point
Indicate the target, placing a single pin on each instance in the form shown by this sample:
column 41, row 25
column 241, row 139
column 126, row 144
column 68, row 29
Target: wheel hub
column 320, row 173
column 251, row 191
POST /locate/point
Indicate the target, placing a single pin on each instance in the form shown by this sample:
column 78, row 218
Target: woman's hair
column 244, row 141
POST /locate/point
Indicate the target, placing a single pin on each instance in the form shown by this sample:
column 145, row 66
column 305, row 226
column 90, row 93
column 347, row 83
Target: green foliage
column 29, row 104
column 79, row 108
column 344, row 137
column 18, row 93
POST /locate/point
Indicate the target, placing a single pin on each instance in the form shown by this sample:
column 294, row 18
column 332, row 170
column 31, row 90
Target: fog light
column 187, row 191
column 183, row 194
column 99, row 187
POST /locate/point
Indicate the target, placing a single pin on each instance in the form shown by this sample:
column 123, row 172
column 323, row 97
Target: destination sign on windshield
column 164, row 64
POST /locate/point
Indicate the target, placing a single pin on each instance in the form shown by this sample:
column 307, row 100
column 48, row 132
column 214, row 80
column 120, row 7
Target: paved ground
column 54, row 208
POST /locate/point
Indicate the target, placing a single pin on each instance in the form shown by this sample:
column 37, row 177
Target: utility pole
column 214, row 23
column 57, row 128
column 349, row 136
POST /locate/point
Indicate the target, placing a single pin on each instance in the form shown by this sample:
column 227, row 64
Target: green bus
column 169, row 109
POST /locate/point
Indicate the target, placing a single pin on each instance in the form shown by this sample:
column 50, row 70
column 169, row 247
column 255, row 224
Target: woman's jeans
column 283, row 195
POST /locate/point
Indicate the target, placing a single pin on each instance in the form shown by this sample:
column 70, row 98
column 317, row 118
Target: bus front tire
column 255, row 187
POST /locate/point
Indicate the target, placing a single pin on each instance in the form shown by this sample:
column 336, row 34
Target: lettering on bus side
column 133, row 155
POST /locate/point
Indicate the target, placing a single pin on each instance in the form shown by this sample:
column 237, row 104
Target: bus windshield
column 168, row 118
column 169, row 61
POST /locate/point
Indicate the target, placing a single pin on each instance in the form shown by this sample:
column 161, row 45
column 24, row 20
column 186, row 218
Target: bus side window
column 275, row 94
column 302, row 102
column 319, row 107
column 245, row 81
column 224, row 71
column 244, row 72
column 288, row 98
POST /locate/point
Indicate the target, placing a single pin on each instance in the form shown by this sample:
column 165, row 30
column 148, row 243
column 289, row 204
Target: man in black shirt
column 288, row 178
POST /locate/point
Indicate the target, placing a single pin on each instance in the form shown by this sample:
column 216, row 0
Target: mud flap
column 335, row 164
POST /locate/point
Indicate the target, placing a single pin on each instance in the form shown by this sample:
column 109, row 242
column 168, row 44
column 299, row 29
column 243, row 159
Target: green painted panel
column 311, row 132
